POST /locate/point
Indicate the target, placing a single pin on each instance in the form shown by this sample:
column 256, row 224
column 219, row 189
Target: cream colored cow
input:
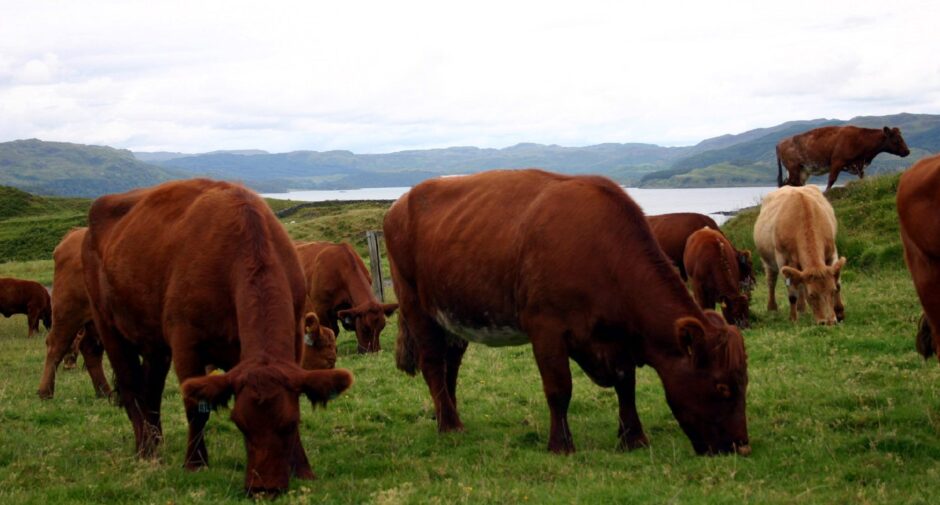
column 795, row 234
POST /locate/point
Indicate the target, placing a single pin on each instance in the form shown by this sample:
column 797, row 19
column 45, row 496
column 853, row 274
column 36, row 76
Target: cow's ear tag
column 787, row 281
column 203, row 407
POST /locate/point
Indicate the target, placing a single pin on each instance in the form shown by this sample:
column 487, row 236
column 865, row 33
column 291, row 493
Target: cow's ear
column 348, row 317
column 211, row 391
column 794, row 276
column 691, row 336
column 836, row 267
column 311, row 322
column 321, row 386
column 389, row 308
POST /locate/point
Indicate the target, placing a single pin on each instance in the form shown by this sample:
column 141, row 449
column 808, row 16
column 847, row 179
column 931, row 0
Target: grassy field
column 847, row 414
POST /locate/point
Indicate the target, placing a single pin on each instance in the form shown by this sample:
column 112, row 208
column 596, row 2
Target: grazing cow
column 672, row 231
column 72, row 325
column 918, row 205
column 568, row 264
column 834, row 149
column 319, row 352
column 340, row 287
column 202, row 271
column 18, row 296
column 795, row 234
column 712, row 265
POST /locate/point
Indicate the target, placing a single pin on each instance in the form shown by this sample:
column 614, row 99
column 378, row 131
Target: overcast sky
column 371, row 77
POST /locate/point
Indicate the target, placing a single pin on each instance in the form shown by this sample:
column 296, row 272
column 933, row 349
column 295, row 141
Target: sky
column 373, row 77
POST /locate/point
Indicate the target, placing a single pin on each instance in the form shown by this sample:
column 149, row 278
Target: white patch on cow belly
column 493, row 336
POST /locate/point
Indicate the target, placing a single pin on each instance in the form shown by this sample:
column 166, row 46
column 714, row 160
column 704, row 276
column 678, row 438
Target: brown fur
column 833, row 149
column 918, row 203
column 319, row 345
column 672, row 231
column 18, row 296
column 713, row 270
column 72, row 326
column 340, row 288
column 795, row 234
column 569, row 265
column 202, row 271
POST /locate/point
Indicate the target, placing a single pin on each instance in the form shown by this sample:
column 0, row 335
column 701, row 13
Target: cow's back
column 918, row 205
column 673, row 230
column 798, row 222
column 183, row 252
column 488, row 251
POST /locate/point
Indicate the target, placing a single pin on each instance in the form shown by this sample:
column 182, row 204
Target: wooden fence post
column 375, row 264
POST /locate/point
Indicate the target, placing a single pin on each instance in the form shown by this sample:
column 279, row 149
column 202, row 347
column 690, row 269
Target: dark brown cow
column 833, row 149
column 18, row 296
column 712, row 264
column 918, row 207
column 569, row 265
column 202, row 271
column 72, row 316
column 672, row 231
column 340, row 287
column 319, row 352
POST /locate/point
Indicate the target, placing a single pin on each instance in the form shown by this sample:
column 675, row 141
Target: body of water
column 710, row 201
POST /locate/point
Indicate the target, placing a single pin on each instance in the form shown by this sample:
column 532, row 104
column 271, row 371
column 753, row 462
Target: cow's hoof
column 639, row 442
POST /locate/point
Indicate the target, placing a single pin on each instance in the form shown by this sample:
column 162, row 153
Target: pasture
column 836, row 414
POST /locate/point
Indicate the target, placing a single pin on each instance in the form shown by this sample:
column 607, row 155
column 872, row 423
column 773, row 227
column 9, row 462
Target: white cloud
column 381, row 76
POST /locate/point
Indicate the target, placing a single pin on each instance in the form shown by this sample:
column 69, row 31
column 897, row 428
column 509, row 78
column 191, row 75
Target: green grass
column 845, row 414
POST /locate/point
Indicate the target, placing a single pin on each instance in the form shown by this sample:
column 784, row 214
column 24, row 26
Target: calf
column 19, row 296
column 568, row 265
column 712, row 265
column 795, row 234
column 918, row 202
column 202, row 271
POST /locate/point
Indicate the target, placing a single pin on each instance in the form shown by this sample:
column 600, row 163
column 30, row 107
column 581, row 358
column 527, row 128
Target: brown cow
column 18, row 296
column 72, row 316
column 795, row 234
column 918, row 205
column 340, row 287
column 568, row 264
column 319, row 352
column 834, row 149
column 202, row 271
column 712, row 264
column 673, row 230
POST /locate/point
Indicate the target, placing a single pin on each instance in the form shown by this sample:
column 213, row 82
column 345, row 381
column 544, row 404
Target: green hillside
column 59, row 168
column 31, row 226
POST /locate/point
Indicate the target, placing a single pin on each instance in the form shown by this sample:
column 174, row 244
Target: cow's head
column 736, row 308
column 319, row 351
column 822, row 289
column 746, row 272
column 894, row 142
column 368, row 319
column 267, row 412
column 706, row 386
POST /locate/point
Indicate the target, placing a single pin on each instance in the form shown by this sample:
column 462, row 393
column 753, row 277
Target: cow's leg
column 771, row 275
column 833, row 175
column 129, row 381
column 794, row 297
column 187, row 364
column 58, row 343
column 32, row 320
column 454, row 357
column 92, row 351
column 551, row 356
column 630, row 432
column 156, row 364
column 434, row 367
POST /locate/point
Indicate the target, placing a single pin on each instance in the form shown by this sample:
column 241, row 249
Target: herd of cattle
column 200, row 275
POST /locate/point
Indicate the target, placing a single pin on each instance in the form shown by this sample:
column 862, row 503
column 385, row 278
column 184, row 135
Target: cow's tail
column 779, row 169
column 924, row 342
column 406, row 357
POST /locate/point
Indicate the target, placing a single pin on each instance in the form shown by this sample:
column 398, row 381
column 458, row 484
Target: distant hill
column 58, row 168
column 752, row 160
column 743, row 159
